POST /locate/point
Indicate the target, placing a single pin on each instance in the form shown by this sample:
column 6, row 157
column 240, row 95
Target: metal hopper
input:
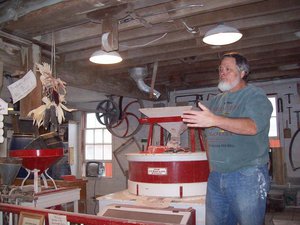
column 9, row 168
column 174, row 128
column 40, row 159
column 37, row 161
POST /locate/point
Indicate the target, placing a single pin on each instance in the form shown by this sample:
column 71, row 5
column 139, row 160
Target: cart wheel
column 107, row 112
column 129, row 123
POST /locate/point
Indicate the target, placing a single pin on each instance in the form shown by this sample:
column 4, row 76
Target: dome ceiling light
column 222, row 35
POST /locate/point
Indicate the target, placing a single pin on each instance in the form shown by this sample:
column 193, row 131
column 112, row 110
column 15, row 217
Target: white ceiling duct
column 138, row 74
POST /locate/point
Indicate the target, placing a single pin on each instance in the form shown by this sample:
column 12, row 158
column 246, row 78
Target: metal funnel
column 9, row 168
column 174, row 128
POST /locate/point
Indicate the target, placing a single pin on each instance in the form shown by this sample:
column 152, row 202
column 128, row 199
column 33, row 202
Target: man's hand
column 202, row 118
column 205, row 118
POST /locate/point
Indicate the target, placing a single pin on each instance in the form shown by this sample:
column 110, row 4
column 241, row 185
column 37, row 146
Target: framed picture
column 31, row 219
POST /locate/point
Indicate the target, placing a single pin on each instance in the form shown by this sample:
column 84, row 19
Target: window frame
column 108, row 163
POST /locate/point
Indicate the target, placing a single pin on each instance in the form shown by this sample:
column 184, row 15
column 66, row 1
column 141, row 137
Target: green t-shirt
column 228, row 151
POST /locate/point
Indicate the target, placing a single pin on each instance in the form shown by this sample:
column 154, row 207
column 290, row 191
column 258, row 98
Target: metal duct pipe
column 138, row 74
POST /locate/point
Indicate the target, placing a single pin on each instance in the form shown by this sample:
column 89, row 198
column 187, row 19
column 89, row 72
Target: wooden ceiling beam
column 268, row 27
column 16, row 9
column 262, row 31
column 194, row 74
column 228, row 14
column 198, row 51
column 213, row 54
column 49, row 18
column 184, row 36
column 212, row 62
column 207, row 57
column 205, row 21
column 258, row 77
column 208, row 61
column 76, row 76
column 70, row 34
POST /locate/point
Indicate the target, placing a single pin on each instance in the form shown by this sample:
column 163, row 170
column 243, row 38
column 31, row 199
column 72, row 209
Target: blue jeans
column 237, row 197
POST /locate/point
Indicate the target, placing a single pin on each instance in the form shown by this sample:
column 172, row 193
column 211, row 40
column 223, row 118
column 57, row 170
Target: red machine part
column 155, row 120
column 40, row 159
column 169, row 172
column 127, row 115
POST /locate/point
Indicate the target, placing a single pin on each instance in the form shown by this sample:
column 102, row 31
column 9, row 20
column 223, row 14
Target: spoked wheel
column 107, row 112
column 128, row 124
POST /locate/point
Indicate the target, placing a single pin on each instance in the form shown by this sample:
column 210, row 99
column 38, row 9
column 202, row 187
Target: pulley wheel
column 129, row 123
column 107, row 112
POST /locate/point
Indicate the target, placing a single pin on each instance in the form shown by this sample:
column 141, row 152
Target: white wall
column 282, row 88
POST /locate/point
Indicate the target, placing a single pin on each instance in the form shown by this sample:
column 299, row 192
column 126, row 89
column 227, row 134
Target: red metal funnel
column 40, row 159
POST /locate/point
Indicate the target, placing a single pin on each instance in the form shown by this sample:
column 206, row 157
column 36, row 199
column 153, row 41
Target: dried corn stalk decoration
column 54, row 91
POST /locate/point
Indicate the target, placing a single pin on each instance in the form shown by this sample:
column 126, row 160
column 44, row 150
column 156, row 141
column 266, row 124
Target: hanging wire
column 143, row 45
column 53, row 53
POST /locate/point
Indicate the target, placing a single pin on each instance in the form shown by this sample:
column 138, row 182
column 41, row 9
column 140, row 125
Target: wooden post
column 110, row 25
column 34, row 98
column 278, row 167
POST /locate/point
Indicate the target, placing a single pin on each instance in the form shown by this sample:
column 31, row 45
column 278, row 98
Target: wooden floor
column 289, row 216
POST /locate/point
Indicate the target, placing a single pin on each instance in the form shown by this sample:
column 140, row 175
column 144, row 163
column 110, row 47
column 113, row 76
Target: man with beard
column 236, row 126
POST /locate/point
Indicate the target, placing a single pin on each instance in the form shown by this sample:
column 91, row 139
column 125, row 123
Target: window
column 98, row 143
column 273, row 121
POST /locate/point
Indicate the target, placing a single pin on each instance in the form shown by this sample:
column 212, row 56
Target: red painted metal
column 40, row 159
column 192, row 139
column 83, row 218
column 154, row 120
column 177, row 172
column 161, row 136
column 161, row 119
column 201, row 139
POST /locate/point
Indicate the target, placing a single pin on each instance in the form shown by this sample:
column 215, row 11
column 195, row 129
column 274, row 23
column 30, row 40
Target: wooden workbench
column 77, row 183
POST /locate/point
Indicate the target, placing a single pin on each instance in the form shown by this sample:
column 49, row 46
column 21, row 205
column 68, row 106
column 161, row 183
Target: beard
column 227, row 86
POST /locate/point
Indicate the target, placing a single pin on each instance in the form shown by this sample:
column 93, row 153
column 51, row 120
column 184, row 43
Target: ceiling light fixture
column 103, row 57
column 109, row 44
column 222, row 35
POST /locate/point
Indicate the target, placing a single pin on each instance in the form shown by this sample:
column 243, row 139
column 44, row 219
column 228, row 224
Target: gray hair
column 241, row 62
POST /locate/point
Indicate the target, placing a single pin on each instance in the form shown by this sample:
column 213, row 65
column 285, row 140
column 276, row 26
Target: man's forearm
column 244, row 126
